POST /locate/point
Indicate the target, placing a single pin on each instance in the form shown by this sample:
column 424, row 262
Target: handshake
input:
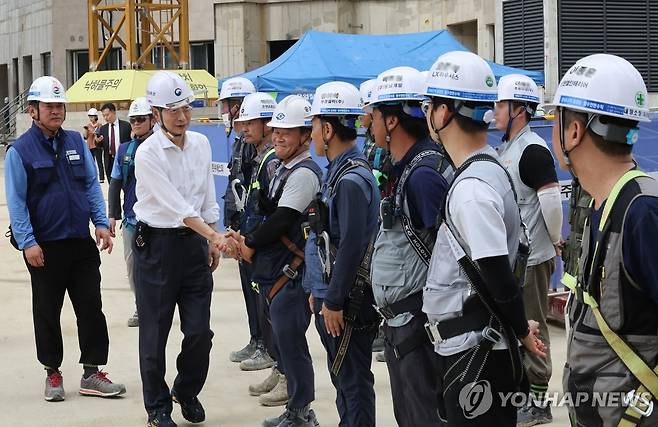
column 232, row 244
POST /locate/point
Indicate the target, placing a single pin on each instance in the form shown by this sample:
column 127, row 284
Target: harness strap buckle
column 289, row 272
column 492, row 335
column 433, row 333
column 639, row 403
column 385, row 312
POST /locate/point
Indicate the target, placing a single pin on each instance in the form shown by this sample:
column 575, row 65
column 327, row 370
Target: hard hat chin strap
column 511, row 119
column 166, row 131
column 565, row 152
column 52, row 131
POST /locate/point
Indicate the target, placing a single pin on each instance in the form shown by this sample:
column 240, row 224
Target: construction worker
column 405, row 240
column 472, row 299
column 256, row 111
column 231, row 94
column 52, row 193
column 530, row 164
column 175, row 250
column 276, row 250
column 345, row 224
column 123, row 179
column 613, row 310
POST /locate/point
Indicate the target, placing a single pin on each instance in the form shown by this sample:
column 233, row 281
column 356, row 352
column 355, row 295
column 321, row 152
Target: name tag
column 72, row 157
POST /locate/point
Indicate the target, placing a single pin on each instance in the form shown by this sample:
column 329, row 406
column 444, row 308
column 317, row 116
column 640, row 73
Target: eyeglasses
column 425, row 106
column 184, row 109
column 137, row 119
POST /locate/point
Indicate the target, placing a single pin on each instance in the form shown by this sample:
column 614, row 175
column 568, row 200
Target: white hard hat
column 236, row 87
column 517, row 87
column 139, row 107
column 463, row 76
column 92, row 112
column 398, row 84
column 367, row 89
column 603, row 84
column 46, row 89
column 336, row 99
column 257, row 105
column 291, row 112
column 168, row 90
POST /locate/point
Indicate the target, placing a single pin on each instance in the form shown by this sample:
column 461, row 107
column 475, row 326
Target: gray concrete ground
column 225, row 395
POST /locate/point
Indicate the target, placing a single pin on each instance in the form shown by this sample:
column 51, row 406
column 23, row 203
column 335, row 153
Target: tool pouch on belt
column 318, row 215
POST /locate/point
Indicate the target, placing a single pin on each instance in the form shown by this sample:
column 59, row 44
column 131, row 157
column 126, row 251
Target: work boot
column 192, row 409
column 266, row 386
column 98, row 384
column 278, row 396
column 258, row 360
column 160, row 419
column 245, row 353
column 303, row 417
column 531, row 415
column 133, row 321
column 380, row 357
column 378, row 343
column 54, row 391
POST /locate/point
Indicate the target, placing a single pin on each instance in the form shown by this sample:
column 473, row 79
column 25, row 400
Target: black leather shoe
column 192, row 409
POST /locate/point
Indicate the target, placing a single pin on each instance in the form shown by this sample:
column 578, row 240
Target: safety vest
column 397, row 270
column 271, row 260
column 614, row 323
column 541, row 247
column 56, row 184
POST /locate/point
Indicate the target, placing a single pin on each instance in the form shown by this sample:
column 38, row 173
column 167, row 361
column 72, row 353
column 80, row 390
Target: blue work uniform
column 353, row 207
column 52, row 193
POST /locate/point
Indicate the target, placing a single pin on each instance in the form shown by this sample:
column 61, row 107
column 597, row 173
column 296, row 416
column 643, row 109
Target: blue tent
column 320, row 57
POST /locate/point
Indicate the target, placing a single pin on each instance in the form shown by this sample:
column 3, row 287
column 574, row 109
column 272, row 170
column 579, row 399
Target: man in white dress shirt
column 176, row 251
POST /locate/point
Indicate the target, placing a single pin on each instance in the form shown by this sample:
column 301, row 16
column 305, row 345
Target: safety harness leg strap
column 289, row 271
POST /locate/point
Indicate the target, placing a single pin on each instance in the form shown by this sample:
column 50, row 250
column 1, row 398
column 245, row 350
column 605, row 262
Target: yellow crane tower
column 142, row 26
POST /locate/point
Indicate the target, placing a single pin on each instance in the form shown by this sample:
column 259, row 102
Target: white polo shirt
column 173, row 183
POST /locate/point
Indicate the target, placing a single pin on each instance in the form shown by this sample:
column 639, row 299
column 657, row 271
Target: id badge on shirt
column 72, row 156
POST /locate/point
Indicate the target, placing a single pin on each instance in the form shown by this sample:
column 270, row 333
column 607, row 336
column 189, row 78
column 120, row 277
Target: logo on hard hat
column 280, row 116
column 639, row 99
column 57, row 90
column 178, row 91
column 489, row 81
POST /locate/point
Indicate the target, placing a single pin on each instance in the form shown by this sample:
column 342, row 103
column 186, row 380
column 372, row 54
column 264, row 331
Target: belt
column 411, row 304
column 477, row 320
column 182, row 231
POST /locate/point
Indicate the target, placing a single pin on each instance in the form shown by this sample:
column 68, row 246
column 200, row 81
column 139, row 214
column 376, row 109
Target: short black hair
column 343, row 132
column 109, row 106
column 611, row 148
column 414, row 126
column 466, row 124
column 33, row 103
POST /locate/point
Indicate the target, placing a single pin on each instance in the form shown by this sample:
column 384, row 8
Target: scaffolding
column 141, row 27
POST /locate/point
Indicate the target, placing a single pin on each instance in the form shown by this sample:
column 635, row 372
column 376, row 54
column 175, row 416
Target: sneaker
column 378, row 343
column 160, row 419
column 278, row 396
column 54, row 391
column 380, row 357
column 303, row 417
column 192, row 409
column 245, row 353
column 133, row 321
column 531, row 415
column 258, row 360
column 100, row 385
column 266, row 386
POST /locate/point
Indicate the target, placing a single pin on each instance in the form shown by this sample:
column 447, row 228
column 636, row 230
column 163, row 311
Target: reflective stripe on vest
column 256, row 184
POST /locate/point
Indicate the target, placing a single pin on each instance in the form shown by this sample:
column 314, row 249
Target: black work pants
column 250, row 300
column 469, row 403
column 265, row 324
column 173, row 270
column 98, row 155
column 72, row 266
column 355, row 393
column 415, row 380
column 109, row 162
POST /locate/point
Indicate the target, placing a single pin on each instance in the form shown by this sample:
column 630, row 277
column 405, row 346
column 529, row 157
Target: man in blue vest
column 277, row 248
column 613, row 309
column 345, row 224
column 52, row 194
column 123, row 179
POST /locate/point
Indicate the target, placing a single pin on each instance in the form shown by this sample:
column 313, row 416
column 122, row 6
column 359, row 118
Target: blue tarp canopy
column 320, row 57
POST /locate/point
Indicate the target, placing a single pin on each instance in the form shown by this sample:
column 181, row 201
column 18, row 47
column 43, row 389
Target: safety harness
column 638, row 405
